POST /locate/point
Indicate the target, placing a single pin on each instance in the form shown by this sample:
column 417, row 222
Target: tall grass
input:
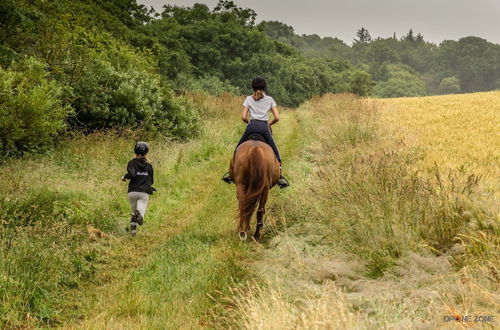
column 48, row 202
column 63, row 214
column 388, row 234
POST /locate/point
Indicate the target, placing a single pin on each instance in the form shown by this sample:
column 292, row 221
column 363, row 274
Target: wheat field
column 455, row 130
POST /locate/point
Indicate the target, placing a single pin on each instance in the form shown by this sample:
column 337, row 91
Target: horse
column 255, row 170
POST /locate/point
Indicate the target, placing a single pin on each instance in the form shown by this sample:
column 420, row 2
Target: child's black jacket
column 141, row 176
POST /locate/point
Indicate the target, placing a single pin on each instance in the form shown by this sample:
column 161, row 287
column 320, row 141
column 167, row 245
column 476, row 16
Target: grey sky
column 437, row 20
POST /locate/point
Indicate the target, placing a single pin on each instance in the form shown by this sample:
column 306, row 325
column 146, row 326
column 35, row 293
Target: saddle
column 256, row 137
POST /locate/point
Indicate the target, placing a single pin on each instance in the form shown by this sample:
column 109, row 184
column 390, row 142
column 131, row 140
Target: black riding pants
column 260, row 127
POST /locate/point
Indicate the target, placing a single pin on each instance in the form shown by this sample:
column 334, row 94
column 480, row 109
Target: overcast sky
column 437, row 20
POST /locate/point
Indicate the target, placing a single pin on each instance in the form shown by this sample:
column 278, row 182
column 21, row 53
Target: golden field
column 454, row 130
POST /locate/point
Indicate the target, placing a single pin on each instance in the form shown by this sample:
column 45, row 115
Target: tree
column 450, row 85
column 380, row 51
column 229, row 8
column 361, row 83
column 402, row 82
column 277, row 30
column 474, row 61
column 409, row 36
column 363, row 37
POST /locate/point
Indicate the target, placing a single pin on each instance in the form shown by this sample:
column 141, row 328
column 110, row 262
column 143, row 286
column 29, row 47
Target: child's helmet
column 259, row 83
column 141, row 148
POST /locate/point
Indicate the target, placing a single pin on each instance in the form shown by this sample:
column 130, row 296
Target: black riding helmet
column 259, row 83
column 141, row 148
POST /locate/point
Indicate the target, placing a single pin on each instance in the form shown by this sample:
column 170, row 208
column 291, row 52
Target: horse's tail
column 256, row 182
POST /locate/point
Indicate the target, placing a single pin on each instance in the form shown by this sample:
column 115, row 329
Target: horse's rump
column 255, row 170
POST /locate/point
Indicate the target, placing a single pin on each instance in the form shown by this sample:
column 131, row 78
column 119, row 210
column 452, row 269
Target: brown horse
column 254, row 169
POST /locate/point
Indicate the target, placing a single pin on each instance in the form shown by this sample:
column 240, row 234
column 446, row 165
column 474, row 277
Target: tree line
column 405, row 66
column 91, row 65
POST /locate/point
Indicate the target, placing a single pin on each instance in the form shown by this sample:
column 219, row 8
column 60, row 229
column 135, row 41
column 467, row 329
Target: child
column 140, row 174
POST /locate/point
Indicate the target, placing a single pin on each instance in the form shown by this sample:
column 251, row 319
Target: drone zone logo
column 469, row 318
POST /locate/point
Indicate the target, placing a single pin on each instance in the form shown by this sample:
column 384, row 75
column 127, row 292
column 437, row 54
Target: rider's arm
column 130, row 172
column 276, row 116
column 244, row 115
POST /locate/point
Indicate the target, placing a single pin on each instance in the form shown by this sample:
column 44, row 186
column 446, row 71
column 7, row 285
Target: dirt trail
column 180, row 266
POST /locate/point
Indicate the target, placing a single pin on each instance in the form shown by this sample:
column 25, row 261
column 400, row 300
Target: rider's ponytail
column 259, row 85
column 258, row 94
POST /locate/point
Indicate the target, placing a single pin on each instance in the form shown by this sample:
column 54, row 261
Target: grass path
column 181, row 264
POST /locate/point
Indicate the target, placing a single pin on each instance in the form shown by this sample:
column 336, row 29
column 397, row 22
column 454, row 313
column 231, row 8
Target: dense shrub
column 121, row 88
column 108, row 97
column 179, row 117
column 402, row 82
column 450, row 85
column 31, row 113
column 208, row 84
column 361, row 83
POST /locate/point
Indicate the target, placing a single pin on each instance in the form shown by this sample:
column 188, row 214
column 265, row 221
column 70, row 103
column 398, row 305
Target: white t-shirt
column 259, row 109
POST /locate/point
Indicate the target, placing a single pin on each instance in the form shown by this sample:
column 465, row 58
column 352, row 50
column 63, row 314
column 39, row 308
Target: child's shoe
column 133, row 228
column 133, row 223
column 139, row 218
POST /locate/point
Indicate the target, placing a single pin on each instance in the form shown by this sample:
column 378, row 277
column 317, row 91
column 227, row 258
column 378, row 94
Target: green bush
column 450, row 85
column 117, row 89
column 182, row 119
column 120, row 88
column 207, row 84
column 402, row 82
column 31, row 113
column 108, row 97
column 361, row 83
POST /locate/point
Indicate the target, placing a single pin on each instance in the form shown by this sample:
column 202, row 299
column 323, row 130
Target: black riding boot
column 227, row 178
column 282, row 181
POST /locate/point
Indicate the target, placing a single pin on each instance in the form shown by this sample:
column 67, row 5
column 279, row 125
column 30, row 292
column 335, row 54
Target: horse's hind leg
column 260, row 214
column 242, row 222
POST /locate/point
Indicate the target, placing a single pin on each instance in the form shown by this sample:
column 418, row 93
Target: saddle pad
column 256, row 137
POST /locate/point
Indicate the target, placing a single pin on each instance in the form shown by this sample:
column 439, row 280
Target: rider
column 259, row 104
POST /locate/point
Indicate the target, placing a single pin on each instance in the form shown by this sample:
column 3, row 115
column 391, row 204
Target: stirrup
column 227, row 178
column 283, row 182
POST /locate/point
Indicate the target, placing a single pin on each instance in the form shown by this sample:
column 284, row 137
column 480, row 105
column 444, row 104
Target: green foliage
column 207, row 84
column 363, row 37
column 361, row 83
column 450, row 85
column 474, row 61
column 31, row 113
column 118, row 89
column 401, row 82
column 180, row 117
column 107, row 83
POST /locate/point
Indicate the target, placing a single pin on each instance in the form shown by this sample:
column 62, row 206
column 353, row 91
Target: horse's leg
column 260, row 214
column 240, row 192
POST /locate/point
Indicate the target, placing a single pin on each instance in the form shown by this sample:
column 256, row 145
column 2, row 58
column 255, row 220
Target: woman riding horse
column 259, row 104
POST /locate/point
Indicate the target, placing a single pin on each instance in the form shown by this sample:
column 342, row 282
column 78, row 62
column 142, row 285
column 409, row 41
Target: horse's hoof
column 242, row 235
column 256, row 237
